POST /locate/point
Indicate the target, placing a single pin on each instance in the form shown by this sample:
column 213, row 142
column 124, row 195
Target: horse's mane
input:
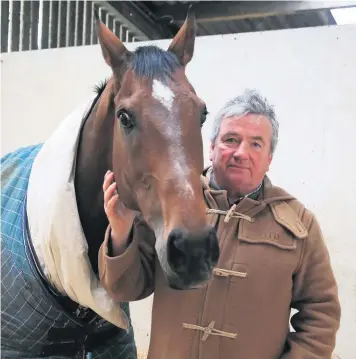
column 148, row 61
column 100, row 87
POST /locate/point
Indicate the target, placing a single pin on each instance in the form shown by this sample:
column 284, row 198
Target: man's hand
column 120, row 217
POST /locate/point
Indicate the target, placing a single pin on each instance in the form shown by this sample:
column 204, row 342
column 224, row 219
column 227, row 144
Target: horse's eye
column 203, row 116
column 125, row 120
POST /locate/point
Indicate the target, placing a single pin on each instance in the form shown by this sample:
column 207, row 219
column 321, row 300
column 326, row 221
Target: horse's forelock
column 148, row 61
column 154, row 63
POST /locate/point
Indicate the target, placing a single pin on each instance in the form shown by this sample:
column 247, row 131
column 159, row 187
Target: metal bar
column 5, row 11
column 129, row 36
column 122, row 35
column 79, row 22
column 45, row 16
column 110, row 22
column 76, row 24
column 106, row 22
column 93, row 35
column 87, row 22
column 35, row 9
column 62, row 23
column 129, row 13
column 15, row 16
column 53, row 24
column 102, row 15
column 25, row 25
column 21, row 24
column 70, row 34
column 116, row 28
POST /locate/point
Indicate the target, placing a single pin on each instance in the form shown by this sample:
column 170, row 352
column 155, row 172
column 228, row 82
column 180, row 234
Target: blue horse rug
column 37, row 319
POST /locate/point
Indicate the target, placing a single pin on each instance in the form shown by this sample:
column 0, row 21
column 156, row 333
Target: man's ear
column 211, row 152
column 270, row 157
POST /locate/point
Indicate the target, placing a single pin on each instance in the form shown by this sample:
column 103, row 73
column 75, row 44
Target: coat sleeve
column 315, row 296
column 129, row 276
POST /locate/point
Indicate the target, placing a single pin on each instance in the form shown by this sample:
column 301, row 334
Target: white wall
column 308, row 74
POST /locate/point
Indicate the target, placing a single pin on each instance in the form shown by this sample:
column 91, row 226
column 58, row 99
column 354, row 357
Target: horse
column 144, row 124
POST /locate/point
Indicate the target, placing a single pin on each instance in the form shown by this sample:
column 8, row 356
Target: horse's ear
column 114, row 51
column 183, row 43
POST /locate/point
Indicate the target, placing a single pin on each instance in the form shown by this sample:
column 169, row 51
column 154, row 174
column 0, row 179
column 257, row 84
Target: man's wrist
column 119, row 242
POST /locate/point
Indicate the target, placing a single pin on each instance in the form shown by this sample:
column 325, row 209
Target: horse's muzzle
column 192, row 257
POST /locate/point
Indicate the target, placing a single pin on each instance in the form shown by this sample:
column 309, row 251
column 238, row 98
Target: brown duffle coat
column 273, row 258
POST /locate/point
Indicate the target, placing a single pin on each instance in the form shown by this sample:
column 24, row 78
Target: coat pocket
column 270, row 251
column 270, row 233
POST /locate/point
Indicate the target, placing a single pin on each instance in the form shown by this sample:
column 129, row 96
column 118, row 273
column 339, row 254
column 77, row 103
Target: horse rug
column 44, row 260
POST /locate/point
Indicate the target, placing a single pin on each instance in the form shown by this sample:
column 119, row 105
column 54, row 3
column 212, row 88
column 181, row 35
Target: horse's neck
column 93, row 160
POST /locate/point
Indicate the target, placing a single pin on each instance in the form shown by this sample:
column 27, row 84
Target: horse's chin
column 191, row 286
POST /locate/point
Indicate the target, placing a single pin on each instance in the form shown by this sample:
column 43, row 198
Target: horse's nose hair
column 192, row 255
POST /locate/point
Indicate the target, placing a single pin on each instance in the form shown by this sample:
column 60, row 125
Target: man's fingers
column 112, row 203
column 109, row 176
column 109, row 192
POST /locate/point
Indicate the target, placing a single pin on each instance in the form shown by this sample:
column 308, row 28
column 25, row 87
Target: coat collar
column 267, row 193
column 274, row 197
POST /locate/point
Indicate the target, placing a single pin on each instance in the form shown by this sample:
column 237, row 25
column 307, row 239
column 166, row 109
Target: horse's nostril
column 176, row 237
column 176, row 250
column 192, row 254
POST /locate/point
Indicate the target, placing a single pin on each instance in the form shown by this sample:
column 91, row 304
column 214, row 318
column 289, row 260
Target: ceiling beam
column 206, row 11
column 127, row 13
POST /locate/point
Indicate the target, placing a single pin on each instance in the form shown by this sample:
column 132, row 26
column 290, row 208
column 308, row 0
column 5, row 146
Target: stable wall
column 308, row 74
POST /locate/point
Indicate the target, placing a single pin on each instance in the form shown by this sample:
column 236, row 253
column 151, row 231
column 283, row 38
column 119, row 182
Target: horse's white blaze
column 181, row 169
column 173, row 132
column 163, row 94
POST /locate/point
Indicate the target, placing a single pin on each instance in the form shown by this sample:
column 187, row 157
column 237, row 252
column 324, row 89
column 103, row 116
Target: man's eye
column 256, row 144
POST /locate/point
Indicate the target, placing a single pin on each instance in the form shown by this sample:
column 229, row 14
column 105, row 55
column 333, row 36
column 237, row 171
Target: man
column 273, row 258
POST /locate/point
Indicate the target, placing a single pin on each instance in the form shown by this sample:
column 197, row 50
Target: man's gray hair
column 250, row 101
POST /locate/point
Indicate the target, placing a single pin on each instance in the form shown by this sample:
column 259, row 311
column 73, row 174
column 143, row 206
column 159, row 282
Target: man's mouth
column 239, row 167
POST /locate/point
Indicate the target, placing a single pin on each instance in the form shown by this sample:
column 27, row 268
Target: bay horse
column 146, row 126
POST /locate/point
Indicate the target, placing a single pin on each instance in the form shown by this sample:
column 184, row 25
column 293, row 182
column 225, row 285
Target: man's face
column 241, row 154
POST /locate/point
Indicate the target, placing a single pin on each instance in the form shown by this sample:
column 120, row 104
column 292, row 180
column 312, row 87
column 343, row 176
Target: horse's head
column 157, row 151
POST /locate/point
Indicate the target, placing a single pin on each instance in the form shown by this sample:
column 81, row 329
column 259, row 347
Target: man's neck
column 236, row 198
column 253, row 195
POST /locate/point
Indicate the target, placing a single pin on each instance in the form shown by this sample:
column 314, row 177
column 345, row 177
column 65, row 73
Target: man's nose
column 241, row 151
